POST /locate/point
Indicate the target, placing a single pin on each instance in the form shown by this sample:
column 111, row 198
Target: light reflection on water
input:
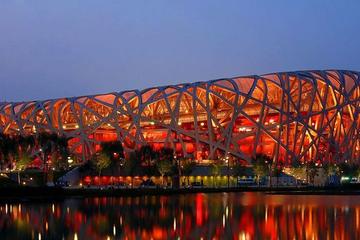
column 192, row 216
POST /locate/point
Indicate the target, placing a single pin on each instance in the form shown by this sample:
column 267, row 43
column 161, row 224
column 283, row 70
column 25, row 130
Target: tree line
column 18, row 151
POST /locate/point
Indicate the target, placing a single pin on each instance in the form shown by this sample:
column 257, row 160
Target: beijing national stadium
column 301, row 115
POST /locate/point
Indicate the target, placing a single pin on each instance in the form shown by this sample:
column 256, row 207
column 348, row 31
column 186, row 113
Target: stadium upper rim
column 299, row 72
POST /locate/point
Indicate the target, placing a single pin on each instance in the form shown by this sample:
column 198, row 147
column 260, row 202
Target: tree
column 46, row 145
column 147, row 154
column 63, row 150
column 113, row 149
column 25, row 144
column 52, row 147
column 164, row 167
column 215, row 169
column 239, row 170
column 349, row 170
column 299, row 172
column 278, row 169
column 261, row 165
column 166, row 154
column 187, row 169
column 331, row 169
column 9, row 150
column 311, row 171
column 102, row 161
column 23, row 162
column 3, row 149
column 296, row 169
column 132, row 165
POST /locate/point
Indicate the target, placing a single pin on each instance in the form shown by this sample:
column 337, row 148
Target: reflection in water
column 192, row 216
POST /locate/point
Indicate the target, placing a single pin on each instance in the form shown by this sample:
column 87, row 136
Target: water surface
column 191, row 216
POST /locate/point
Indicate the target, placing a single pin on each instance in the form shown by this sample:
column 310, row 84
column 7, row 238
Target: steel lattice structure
column 303, row 115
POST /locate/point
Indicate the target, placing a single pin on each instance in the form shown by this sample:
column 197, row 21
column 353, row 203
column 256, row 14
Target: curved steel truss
column 291, row 115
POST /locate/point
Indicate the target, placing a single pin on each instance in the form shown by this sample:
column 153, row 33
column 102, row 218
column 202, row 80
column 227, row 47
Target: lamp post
column 70, row 161
column 177, row 164
column 178, row 170
column 42, row 154
column 42, row 157
column 306, row 170
column 269, row 171
column 227, row 161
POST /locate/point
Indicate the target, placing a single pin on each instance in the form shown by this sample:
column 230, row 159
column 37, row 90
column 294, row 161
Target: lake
column 248, row 215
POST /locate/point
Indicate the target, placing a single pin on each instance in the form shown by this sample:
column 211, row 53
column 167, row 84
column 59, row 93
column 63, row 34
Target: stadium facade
column 303, row 115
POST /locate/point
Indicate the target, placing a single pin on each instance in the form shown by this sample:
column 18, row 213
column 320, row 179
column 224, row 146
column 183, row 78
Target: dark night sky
column 51, row 49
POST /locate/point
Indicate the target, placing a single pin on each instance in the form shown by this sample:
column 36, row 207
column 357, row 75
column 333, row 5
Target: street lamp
column 269, row 171
column 70, row 161
column 177, row 162
column 228, row 169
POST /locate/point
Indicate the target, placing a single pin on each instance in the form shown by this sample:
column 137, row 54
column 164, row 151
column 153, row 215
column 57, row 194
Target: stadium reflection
column 195, row 216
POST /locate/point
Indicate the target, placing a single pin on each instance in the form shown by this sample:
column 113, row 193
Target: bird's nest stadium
column 301, row 115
